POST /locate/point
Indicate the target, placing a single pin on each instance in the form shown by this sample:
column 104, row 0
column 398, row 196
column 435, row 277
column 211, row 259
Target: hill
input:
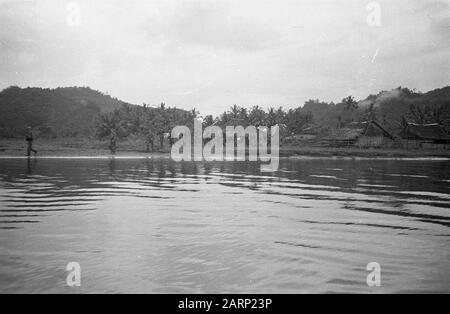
column 61, row 112
column 390, row 108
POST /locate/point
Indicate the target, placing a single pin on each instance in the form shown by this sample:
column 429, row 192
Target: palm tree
column 208, row 121
column 234, row 112
column 108, row 124
column 257, row 116
column 280, row 116
column 271, row 117
column 350, row 103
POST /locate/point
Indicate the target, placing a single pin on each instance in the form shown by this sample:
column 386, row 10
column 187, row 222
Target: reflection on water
column 165, row 227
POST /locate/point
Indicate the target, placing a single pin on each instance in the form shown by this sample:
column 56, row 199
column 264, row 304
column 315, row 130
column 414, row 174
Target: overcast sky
column 210, row 54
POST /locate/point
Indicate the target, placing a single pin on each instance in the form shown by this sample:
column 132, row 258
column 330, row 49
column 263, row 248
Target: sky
column 211, row 54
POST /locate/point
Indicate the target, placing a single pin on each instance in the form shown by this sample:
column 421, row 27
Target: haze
column 213, row 54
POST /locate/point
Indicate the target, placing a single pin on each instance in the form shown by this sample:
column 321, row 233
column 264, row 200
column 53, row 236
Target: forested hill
column 62, row 112
column 390, row 108
column 72, row 111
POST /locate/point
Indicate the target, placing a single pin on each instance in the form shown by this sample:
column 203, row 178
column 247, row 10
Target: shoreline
column 167, row 156
column 355, row 153
column 91, row 149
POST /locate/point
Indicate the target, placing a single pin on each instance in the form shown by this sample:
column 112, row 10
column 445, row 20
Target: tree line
column 83, row 112
column 154, row 124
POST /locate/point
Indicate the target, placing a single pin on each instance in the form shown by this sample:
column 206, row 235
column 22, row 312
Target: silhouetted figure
column 113, row 143
column 30, row 138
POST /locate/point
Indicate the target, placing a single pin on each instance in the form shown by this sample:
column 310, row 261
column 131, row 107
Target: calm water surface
column 164, row 227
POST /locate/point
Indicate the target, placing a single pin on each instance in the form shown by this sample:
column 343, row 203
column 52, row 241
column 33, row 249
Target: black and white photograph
column 224, row 152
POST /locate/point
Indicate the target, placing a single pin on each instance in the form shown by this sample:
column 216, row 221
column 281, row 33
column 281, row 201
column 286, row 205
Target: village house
column 307, row 134
column 361, row 134
column 425, row 136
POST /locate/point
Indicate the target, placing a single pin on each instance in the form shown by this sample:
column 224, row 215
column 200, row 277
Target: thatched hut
column 308, row 133
column 425, row 135
column 361, row 134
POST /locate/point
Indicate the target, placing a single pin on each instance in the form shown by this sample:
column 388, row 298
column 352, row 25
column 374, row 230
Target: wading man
column 29, row 138
column 113, row 142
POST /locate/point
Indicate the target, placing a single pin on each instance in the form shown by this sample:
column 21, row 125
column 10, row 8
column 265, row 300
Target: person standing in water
column 113, row 142
column 30, row 138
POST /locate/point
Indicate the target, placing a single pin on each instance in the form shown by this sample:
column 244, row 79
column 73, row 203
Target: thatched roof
column 346, row 133
column 433, row 132
column 356, row 130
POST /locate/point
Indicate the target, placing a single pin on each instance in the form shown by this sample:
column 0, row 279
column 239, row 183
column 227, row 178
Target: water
column 162, row 227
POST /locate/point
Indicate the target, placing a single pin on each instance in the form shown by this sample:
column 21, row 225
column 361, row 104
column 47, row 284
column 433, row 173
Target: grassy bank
column 288, row 151
column 75, row 147
column 135, row 147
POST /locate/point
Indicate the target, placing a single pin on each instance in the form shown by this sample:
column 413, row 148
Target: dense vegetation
column 391, row 109
column 149, row 123
column 71, row 112
column 61, row 112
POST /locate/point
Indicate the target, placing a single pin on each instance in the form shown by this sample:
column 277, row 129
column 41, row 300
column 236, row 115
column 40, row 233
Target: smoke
column 385, row 96
column 381, row 98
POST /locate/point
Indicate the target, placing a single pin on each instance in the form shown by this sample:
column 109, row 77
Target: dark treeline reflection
column 101, row 178
column 347, row 174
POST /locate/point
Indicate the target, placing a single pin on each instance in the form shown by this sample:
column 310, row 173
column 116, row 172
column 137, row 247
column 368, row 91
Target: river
column 156, row 226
